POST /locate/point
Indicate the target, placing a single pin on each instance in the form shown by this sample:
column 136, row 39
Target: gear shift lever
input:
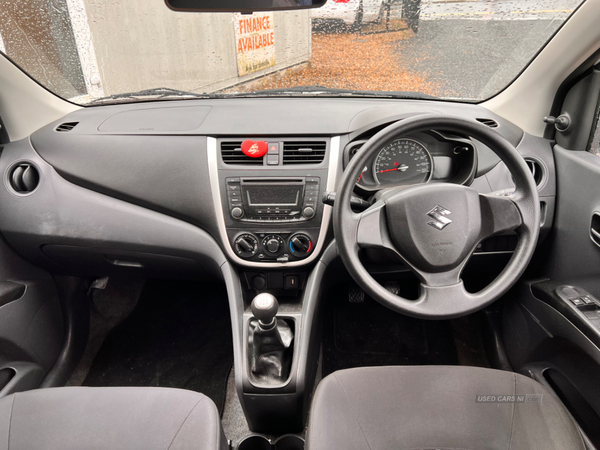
column 269, row 342
column 264, row 307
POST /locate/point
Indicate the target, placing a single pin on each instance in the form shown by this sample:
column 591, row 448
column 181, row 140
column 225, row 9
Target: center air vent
column 24, row 178
column 304, row 152
column 489, row 122
column 231, row 152
column 65, row 127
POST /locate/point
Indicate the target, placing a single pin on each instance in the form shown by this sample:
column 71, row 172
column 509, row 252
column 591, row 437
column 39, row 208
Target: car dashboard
column 163, row 187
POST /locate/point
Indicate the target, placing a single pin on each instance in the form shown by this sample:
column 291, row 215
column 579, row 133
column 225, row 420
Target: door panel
column 546, row 333
column 572, row 256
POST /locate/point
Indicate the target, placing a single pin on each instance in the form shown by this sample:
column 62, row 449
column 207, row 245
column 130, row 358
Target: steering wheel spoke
column 446, row 297
column 499, row 214
column 440, row 279
column 372, row 229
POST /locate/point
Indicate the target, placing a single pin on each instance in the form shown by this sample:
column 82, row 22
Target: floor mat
column 369, row 334
column 179, row 335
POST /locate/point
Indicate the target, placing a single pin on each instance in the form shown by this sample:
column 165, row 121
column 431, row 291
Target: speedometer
column 403, row 161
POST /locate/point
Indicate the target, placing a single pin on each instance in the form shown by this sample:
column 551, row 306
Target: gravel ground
column 452, row 58
column 346, row 60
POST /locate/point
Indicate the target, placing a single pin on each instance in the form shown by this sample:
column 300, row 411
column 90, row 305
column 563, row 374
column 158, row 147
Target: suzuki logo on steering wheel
column 438, row 214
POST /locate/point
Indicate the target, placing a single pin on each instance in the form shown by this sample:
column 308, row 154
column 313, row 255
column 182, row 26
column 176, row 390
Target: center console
column 269, row 209
column 272, row 225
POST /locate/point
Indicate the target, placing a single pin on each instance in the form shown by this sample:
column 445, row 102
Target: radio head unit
column 258, row 199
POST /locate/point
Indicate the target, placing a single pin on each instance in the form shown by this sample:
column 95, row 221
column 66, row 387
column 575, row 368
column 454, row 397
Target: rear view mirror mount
column 242, row 6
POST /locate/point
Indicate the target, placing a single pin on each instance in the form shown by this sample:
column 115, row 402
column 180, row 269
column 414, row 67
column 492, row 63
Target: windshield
column 108, row 51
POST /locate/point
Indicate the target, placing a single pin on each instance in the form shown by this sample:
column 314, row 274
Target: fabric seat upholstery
column 109, row 418
column 436, row 407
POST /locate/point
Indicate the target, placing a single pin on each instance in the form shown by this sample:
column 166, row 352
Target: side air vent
column 304, row 152
column 489, row 122
column 537, row 170
column 352, row 149
column 231, row 152
column 66, row 127
column 24, row 178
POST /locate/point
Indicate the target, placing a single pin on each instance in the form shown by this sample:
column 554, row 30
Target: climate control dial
column 300, row 245
column 245, row 245
column 273, row 244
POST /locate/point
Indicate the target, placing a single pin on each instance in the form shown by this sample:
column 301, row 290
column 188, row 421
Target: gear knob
column 264, row 307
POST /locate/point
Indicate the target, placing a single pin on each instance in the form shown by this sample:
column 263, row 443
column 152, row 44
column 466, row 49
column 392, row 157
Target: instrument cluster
column 421, row 158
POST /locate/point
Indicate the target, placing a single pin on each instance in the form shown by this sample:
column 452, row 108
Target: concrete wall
column 140, row 44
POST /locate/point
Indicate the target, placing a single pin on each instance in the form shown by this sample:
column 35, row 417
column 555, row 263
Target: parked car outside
column 351, row 12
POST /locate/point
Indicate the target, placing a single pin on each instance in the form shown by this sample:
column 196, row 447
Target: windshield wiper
column 160, row 93
column 312, row 91
column 163, row 93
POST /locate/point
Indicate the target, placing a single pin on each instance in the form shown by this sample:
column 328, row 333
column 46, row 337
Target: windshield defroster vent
column 489, row 122
column 231, row 152
column 65, row 127
column 303, row 152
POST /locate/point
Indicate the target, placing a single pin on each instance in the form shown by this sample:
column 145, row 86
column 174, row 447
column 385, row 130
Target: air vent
column 304, row 152
column 537, row 170
column 489, row 122
column 65, row 127
column 24, row 178
column 231, row 152
column 352, row 149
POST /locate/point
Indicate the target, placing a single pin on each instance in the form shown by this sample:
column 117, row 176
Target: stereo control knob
column 237, row 212
column 308, row 212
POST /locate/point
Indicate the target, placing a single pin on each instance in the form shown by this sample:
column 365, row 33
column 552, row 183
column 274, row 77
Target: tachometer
column 403, row 161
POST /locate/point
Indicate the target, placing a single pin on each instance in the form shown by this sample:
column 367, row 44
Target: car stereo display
column 272, row 199
column 279, row 195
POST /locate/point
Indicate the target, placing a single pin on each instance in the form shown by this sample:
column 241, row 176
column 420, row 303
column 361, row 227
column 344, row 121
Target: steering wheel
column 434, row 228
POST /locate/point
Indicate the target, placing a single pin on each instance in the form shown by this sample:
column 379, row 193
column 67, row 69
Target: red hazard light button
column 254, row 149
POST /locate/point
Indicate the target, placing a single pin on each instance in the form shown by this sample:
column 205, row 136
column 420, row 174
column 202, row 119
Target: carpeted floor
column 369, row 334
column 179, row 335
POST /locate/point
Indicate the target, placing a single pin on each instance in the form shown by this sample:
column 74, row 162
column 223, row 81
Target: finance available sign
column 255, row 41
